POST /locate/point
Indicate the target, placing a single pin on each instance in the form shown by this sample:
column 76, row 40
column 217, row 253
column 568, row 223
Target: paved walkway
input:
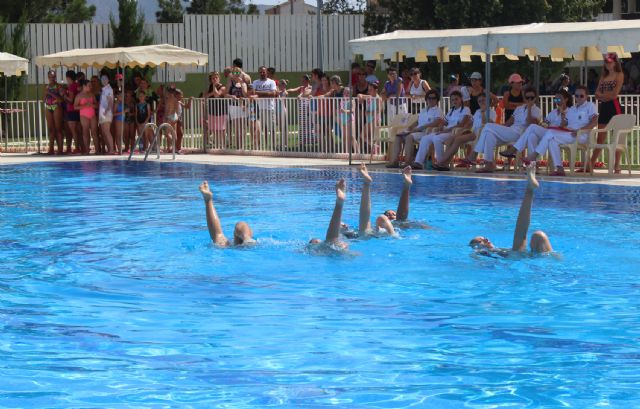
column 601, row 177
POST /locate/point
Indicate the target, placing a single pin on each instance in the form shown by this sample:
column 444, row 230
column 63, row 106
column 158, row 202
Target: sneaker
column 417, row 166
column 440, row 168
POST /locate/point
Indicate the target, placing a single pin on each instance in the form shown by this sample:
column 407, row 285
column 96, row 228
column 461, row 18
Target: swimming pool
column 113, row 296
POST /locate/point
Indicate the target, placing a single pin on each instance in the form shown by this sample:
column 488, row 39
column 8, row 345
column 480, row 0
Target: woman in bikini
column 86, row 104
column 54, row 110
column 607, row 93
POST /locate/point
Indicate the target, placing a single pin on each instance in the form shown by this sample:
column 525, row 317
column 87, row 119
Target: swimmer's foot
column 531, row 177
column 341, row 188
column 206, row 192
column 365, row 173
column 406, row 173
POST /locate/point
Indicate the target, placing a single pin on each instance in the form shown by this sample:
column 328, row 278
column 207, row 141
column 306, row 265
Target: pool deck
column 600, row 177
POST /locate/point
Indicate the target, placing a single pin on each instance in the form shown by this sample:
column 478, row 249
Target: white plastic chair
column 619, row 126
column 400, row 122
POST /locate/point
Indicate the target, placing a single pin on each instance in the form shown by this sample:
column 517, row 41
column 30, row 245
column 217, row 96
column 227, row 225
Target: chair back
column 622, row 125
column 622, row 122
column 401, row 120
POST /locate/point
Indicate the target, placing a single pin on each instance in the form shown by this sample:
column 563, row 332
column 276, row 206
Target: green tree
column 343, row 7
column 12, row 41
column 129, row 30
column 170, row 11
column 47, row 11
column 207, row 7
column 390, row 15
column 221, row 7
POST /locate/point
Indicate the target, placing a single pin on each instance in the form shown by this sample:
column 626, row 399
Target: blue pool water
column 113, row 296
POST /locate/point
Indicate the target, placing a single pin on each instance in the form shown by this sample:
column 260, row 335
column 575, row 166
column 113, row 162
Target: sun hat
column 515, row 77
column 476, row 76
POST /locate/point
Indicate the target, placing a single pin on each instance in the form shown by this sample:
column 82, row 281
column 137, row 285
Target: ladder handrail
column 157, row 142
column 144, row 130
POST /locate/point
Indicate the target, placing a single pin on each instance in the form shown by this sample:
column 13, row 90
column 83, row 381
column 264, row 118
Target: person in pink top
column 72, row 116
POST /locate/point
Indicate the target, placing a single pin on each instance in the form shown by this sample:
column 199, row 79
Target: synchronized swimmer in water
column 242, row 234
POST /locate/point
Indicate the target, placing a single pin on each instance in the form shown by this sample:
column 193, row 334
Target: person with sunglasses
column 581, row 116
column 539, row 243
column 418, row 88
column 430, row 117
column 609, row 87
column 556, row 119
column 468, row 136
column 492, row 134
column 513, row 96
column 458, row 118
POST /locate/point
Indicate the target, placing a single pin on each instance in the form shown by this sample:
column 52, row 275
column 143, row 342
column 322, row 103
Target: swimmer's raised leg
column 364, row 225
column 333, row 231
column 213, row 221
column 539, row 240
column 403, row 205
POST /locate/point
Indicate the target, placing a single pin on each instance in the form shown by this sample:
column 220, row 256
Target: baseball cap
column 515, row 77
column 476, row 76
column 611, row 57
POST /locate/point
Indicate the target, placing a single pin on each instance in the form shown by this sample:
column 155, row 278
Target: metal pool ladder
column 157, row 131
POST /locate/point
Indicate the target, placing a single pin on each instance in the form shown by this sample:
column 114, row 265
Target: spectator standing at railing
column 405, row 74
column 266, row 91
column 105, row 113
column 418, row 88
column 281, row 113
column 129, row 121
column 393, row 94
column 216, row 109
column 372, row 110
column 609, row 87
column 236, row 91
column 355, row 70
column 237, row 66
column 513, row 97
column 72, row 116
column 271, row 74
column 86, row 104
column 336, row 90
column 304, row 90
column 316, row 76
column 370, row 69
column 54, row 112
column 454, row 84
column 474, row 91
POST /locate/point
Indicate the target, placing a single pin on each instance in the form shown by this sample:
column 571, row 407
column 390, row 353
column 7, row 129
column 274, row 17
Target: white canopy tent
column 159, row 55
column 580, row 41
column 13, row 65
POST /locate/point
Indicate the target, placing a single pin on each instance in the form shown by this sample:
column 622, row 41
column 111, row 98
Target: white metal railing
column 306, row 127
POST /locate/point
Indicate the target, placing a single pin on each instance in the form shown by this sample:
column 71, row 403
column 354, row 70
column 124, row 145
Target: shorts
column 607, row 110
column 236, row 112
column 104, row 119
column 217, row 122
column 72, row 116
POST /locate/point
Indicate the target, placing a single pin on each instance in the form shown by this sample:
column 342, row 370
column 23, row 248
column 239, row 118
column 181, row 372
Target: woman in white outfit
column 430, row 116
column 459, row 116
column 457, row 140
column 493, row 134
column 556, row 119
column 418, row 88
column 582, row 116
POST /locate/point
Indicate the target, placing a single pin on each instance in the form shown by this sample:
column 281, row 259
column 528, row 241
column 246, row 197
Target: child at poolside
column 539, row 241
column 143, row 115
column 242, row 234
column 118, row 119
column 172, row 112
column 129, row 121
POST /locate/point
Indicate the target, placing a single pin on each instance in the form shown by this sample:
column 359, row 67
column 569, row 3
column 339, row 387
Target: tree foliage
column 47, row 11
column 390, row 15
column 221, row 7
column 169, row 11
column 129, row 29
column 12, row 41
column 343, row 7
